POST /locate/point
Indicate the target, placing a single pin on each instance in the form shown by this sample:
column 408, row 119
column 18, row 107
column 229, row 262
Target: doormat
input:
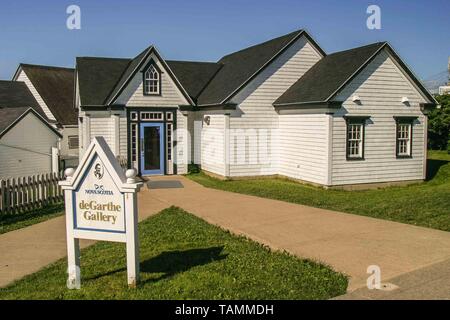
column 164, row 184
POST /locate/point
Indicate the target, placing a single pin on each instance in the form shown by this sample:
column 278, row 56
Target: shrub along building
column 53, row 89
column 282, row 107
column 26, row 137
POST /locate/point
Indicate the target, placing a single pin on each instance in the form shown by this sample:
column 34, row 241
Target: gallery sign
column 101, row 205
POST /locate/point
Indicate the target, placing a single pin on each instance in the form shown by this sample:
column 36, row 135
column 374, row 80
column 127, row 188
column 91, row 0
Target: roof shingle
column 239, row 66
column 327, row 75
column 56, row 87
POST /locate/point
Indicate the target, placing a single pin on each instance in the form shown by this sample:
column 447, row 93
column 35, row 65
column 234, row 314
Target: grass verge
column 183, row 257
column 10, row 222
column 424, row 204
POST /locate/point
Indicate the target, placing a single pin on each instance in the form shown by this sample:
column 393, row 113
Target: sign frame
column 125, row 187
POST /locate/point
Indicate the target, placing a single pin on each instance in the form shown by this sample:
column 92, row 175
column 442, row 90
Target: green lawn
column 10, row 222
column 425, row 204
column 183, row 257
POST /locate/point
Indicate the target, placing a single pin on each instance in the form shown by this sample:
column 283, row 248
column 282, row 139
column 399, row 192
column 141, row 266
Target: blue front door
column 152, row 148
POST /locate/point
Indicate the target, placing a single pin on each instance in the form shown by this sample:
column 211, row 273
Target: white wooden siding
column 181, row 150
column 103, row 127
column 212, row 145
column 26, row 148
column 255, row 109
column 133, row 95
column 380, row 86
column 24, row 78
column 303, row 146
column 123, row 136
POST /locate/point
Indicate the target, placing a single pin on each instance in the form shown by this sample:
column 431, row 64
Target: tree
column 439, row 125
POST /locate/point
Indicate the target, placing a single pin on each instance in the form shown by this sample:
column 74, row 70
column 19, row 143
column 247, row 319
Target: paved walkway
column 27, row 250
column 349, row 243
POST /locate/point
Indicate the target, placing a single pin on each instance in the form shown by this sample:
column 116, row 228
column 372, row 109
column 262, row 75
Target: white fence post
column 55, row 160
column 23, row 194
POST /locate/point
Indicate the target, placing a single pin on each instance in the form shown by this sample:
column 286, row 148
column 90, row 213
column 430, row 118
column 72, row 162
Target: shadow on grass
column 433, row 167
column 172, row 262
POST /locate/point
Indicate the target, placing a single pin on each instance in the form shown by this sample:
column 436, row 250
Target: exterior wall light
column 405, row 100
column 356, row 99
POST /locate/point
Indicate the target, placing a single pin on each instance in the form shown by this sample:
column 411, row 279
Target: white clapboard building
column 280, row 108
column 27, row 140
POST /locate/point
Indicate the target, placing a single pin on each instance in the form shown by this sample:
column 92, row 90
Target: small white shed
column 26, row 142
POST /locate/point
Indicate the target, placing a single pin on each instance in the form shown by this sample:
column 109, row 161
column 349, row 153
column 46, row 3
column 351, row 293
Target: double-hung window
column 404, row 132
column 355, row 138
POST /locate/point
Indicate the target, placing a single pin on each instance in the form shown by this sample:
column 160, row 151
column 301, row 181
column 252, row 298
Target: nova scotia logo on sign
column 98, row 207
column 101, row 204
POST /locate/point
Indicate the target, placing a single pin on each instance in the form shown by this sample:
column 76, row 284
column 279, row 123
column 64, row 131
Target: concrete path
column 28, row 250
column 408, row 256
column 349, row 243
column 432, row 282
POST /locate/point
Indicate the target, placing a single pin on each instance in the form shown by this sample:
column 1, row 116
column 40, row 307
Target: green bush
column 193, row 168
column 439, row 124
column 448, row 144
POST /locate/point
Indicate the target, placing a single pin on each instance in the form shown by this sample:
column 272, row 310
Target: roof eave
column 298, row 36
column 305, row 104
column 211, row 107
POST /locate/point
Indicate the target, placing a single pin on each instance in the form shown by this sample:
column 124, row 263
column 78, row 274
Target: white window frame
column 169, row 147
column 134, row 140
column 152, row 81
column 404, row 139
column 355, row 137
column 151, row 116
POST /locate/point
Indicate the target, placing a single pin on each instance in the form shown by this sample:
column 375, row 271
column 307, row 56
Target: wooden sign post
column 101, row 204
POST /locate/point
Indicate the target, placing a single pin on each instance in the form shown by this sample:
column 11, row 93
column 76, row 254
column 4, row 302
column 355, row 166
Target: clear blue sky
column 35, row 31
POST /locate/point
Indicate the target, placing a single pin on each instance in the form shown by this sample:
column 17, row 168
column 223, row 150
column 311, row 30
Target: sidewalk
column 349, row 243
column 409, row 257
column 28, row 250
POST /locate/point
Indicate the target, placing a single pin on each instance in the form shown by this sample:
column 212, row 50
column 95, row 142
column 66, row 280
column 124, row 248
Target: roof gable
column 327, row 76
column 9, row 117
column 102, row 80
column 331, row 74
column 135, row 66
column 241, row 66
column 55, row 85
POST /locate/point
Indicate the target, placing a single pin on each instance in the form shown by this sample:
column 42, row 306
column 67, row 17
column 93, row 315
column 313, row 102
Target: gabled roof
column 55, row 85
column 330, row 74
column 102, row 79
column 15, row 94
column 194, row 76
column 242, row 66
column 97, row 77
column 128, row 72
column 327, row 75
column 9, row 117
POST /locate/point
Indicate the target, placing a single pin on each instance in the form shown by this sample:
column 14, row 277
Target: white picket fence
column 23, row 194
